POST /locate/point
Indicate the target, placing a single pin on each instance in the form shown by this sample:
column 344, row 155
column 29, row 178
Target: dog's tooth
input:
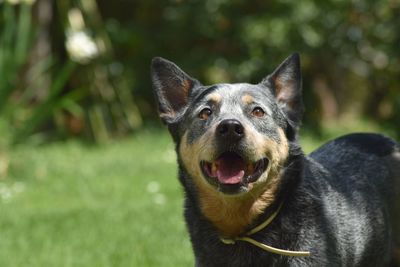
column 214, row 168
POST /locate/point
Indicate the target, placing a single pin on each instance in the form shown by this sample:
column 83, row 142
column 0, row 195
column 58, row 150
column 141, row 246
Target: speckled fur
column 341, row 203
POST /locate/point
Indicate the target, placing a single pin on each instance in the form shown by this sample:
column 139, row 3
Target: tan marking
column 231, row 215
column 215, row 97
column 192, row 154
column 247, row 99
column 275, row 152
column 186, row 86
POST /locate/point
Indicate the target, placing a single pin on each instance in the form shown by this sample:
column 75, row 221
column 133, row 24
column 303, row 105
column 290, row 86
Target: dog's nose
column 230, row 129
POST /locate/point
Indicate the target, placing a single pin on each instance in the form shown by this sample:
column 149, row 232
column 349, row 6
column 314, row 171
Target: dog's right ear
column 172, row 87
column 285, row 83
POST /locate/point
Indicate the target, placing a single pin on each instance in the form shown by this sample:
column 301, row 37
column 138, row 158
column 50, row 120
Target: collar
column 247, row 238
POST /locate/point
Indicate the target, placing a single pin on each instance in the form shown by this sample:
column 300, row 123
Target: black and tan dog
column 254, row 199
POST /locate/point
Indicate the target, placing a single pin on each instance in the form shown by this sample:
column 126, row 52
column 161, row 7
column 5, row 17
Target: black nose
column 230, row 129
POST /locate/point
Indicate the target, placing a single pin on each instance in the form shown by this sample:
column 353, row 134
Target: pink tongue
column 230, row 169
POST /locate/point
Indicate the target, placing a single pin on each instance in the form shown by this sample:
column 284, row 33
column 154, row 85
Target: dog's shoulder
column 355, row 152
column 357, row 163
column 358, row 143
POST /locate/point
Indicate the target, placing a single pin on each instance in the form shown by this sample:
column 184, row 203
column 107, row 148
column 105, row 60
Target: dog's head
column 231, row 138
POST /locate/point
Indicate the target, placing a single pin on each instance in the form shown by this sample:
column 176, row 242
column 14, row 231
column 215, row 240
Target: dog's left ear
column 285, row 83
column 172, row 87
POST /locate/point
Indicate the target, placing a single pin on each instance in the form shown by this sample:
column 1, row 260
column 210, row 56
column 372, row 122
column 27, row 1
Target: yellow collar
column 246, row 238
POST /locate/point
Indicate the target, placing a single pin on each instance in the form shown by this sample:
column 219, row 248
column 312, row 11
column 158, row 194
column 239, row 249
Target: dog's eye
column 205, row 113
column 258, row 112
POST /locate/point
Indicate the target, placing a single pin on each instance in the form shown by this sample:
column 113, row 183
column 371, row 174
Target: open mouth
column 231, row 169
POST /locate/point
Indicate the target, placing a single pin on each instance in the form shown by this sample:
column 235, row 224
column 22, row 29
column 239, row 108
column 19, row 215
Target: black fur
column 339, row 202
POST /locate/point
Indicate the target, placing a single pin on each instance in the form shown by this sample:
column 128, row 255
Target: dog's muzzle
column 232, row 170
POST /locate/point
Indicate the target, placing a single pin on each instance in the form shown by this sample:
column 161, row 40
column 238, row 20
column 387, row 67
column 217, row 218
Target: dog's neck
column 233, row 215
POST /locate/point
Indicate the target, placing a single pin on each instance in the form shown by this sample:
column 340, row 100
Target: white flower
column 81, row 47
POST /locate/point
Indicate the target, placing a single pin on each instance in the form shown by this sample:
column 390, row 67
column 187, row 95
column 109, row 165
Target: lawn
column 69, row 204
column 120, row 204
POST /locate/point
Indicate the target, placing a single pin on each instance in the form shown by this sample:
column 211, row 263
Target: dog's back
column 360, row 196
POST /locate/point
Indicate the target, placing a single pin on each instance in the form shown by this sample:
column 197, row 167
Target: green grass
column 73, row 205
column 69, row 204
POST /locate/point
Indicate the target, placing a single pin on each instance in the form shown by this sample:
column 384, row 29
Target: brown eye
column 205, row 113
column 258, row 112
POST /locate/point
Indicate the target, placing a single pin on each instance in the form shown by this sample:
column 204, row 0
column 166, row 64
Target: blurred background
column 87, row 173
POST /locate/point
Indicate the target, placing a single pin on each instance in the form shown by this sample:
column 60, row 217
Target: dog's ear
column 286, row 84
column 172, row 87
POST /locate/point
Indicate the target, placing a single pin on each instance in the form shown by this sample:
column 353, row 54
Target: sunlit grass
column 76, row 205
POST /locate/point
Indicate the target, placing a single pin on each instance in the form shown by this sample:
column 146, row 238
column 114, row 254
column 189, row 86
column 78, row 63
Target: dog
column 253, row 198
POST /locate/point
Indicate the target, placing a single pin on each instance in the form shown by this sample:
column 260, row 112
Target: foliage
column 13, row 53
column 109, row 109
column 349, row 52
column 44, row 94
column 24, row 108
column 12, row 57
column 349, row 49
